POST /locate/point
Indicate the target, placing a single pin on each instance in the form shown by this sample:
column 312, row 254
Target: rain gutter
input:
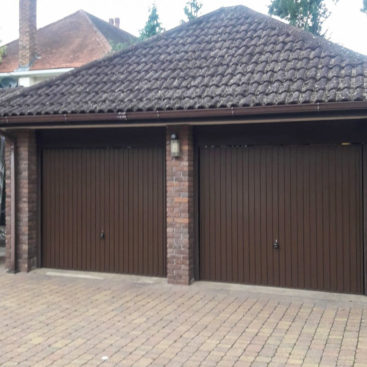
column 348, row 109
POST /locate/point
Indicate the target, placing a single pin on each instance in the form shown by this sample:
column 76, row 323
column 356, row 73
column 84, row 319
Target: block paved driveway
column 48, row 320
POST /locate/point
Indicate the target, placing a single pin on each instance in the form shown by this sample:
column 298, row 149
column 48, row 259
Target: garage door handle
column 276, row 245
column 102, row 235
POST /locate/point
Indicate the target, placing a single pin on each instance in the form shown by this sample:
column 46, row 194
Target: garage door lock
column 102, row 235
column 276, row 245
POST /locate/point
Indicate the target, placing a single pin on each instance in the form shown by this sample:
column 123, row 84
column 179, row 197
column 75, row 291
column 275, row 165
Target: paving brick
column 58, row 321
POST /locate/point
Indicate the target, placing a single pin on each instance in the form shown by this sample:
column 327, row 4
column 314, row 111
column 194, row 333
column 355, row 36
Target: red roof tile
column 70, row 42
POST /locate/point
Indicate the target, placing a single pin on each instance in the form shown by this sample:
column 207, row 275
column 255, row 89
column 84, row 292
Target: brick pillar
column 26, row 201
column 180, row 207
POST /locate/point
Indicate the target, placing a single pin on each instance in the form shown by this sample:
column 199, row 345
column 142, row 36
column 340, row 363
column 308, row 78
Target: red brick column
column 180, row 215
column 26, row 201
column 27, row 32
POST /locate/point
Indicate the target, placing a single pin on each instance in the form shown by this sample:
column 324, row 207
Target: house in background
column 58, row 47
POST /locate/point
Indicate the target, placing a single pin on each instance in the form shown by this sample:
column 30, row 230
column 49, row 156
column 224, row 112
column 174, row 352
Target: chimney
column 110, row 21
column 27, row 32
column 117, row 22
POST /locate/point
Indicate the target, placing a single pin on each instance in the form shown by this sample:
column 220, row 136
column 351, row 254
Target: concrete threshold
column 287, row 293
column 77, row 274
column 72, row 275
column 219, row 288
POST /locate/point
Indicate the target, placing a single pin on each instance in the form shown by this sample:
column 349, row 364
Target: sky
column 346, row 26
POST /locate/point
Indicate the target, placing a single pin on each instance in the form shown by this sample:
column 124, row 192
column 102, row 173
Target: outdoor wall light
column 175, row 146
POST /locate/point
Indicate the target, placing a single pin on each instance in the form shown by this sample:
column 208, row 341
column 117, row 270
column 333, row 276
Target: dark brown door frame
column 118, row 138
column 364, row 213
column 39, row 206
column 197, row 209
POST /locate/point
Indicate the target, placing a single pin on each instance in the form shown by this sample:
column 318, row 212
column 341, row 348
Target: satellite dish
column 8, row 82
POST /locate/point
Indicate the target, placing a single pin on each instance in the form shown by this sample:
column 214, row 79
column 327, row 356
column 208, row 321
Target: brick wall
column 27, row 32
column 26, row 201
column 180, row 208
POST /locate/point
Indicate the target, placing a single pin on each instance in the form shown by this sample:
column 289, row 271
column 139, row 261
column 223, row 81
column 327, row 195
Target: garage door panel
column 308, row 197
column 102, row 209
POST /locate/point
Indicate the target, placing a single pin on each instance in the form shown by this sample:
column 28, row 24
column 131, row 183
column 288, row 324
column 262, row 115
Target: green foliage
column 192, row 9
column 306, row 14
column 153, row 25
column 364, row 9
column 2, row 53
column 118, row 46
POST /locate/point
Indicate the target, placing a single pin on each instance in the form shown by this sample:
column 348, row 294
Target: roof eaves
column 233, row 113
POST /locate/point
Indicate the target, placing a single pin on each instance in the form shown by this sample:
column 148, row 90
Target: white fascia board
column 35, row 73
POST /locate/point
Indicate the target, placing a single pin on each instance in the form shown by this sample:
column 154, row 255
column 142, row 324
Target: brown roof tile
column 5, row 94
column 231, row 57
column 68, row 43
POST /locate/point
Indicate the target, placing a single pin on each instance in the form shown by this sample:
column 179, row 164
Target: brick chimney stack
column 115, row 22
column 27, row 32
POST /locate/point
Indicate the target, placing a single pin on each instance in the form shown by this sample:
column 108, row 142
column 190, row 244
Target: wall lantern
column 175, row 146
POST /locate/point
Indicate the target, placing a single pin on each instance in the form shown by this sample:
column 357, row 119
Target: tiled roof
column 5, row 94
column 70, row 42
column 233, row 57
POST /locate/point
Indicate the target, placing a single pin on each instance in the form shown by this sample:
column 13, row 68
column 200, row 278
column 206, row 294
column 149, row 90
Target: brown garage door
column 103, row 210
column 305, row 199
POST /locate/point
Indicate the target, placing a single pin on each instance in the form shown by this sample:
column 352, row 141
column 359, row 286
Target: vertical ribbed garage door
column 103, row 210
column 307, row 198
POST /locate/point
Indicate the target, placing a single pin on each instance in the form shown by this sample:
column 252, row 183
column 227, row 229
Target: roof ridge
column 49, row 25
column 120, row 30
column 303, row 34
column 60, row 20
column 226, row 17
column 117, row 54
column 80, row 11
column 96, row 29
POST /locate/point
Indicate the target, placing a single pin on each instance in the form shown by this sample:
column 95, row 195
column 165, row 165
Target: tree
column 118, row 46
column 2, row 52
column 153, row 26
column 192, row 9
column 306, row 14
column 364, row 9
